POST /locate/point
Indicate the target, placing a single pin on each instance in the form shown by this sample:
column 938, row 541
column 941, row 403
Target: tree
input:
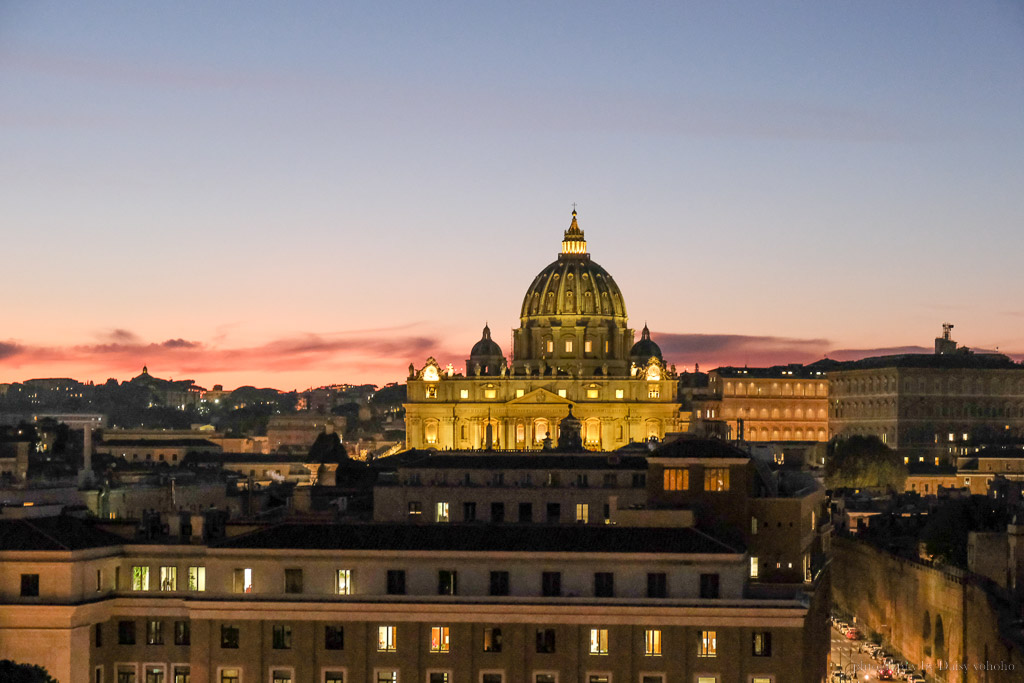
column 864, row 462
column 12, row 672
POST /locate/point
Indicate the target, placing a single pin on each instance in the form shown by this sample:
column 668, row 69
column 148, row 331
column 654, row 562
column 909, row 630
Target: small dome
column 645, row 349
column 486, row 347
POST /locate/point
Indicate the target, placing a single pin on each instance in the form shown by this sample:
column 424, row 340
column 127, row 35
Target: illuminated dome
column 485, row 358
column 645, row 349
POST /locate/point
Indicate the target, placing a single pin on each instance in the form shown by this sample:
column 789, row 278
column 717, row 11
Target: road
column 846, row 653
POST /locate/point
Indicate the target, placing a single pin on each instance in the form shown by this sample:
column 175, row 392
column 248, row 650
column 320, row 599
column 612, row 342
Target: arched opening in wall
column 798, row 413
column 540, row 429
column 728, row 389
column 821, row 435
column 786, row 435
column 775, row 413
column 653, row 429
column 764, row 413
column 588, row 302
column 775, row 435
column 940, row 638
column 430, row 432
column 798, row 435
column 592, row 432
column 926, row 633
column 520, row 432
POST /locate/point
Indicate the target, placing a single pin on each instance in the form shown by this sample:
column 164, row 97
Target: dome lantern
column 573, row 243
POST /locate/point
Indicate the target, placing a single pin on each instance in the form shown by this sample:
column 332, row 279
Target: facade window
column 761, row 645
column 439, row 639
column 415, row 508
column 126, row 674
column 598, row 641
column 280, row 676
column 447, row 582
column 497, row 512
column 525, row 513
column 334, row 677
column 438, row 677
column 463, row 393
column 588, row 346
column 396, row 582
column 657, row 585
column 386, row 638
column 197, row 578
column 242, row 580
column 293, row 580
column 492, row 639
column 98, row 635
column 761, row 679
column 582, row 513
column 754, row 570
column 604, row 585
column 553, row 513
column 168, row 578
column 228, row 637
column 126, row 633
column 753, row 526
column 652, row 642
column 334, row 637
column 29, row 585
column 619, row 393
column 545, row 640
column 230, row 675
column 568, row 345
column 441, row 512
column 140, row 578
column 676, row 479
column 387, row 677
column 182, row 674
column 343, row 582
column 154, row 632
column 282, row 637
column 716, row 479
column 490, row 393
column 545, row 678
column 492, row 677
column 561, row 393
column 499, row 583
column 182, row 633
column 652, row 678
column 708, row 646
column 431, row 391
column 551, row 584
column 709, row 586
column 154, row 673
column 550, row 346
column 469, row 511
column 593, row 393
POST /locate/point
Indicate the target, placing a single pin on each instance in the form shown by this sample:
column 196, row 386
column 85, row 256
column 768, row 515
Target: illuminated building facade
column 572, row 352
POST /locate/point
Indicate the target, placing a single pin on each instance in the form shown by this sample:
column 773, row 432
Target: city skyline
column 299, row 196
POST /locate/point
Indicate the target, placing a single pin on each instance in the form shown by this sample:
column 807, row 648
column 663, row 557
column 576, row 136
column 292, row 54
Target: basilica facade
column 573, row 354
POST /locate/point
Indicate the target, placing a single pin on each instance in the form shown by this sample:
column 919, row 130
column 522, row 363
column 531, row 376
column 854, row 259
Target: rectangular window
column 598, row 678
column 228, row 637
column 197, row 578
column 334, row 637
column 463, row 393
column 520, row 393
column 551, row 584
column 229, row 675
column 568, row 345
column 652, row 642
column 754, row 571
column 676, row 479
column 140, row 578
column 242, row 579
column 598, row 641
column 343, row 582
column 469, row 511
column 588, row 346
column 386, row 638
column 593, row 393
column 561, row 393
column 154, row 673
column 619, row 393
column 182, row 674
column 154, row 632
column 716, row 479
column 98, row 635
column 492, row 639
column 525, row 513
column 497, row 512
column 499, row 583
column 415, row 508
column 753, row 526
column 282, row 637
column 761, row 645
column 604, row 585
column 439, row 639
column 553, row 513
column 653, row 391
column 550, row 346
column 447, row 582
column 545, row 640
column 441, row 512
column 387, row 677
column 657, row 585
column 582, row 513
column 396, row 582
column 545, row 678
column 709, row 586
column 708, row 646
column 652, row 678
column 29, row 585
column 293, row 580
column 490, row 393
column 126, row 674
column 126, row 633
column 438, row 677
column 182, row 633
column 334, row 677
column 280, row 676
column 493, row 677
column 168, row 578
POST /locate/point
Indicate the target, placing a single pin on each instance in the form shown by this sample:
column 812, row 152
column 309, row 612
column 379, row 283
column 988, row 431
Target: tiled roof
column 508, row 461
column 698, row 448
column 53, row 533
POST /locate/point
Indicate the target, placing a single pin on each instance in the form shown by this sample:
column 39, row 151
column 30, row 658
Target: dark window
column 98, row 635
column 526, row 512
column 182, row 633
column 554, row 513
column 492, row 678
column 229, row 637
column 497, row 512
column 292, row 580
column 762, row 644
column 551, row 584
column 155, row 632
column 29, row 585
column 282, row 637
column 126, row 632
column 334, row 637
column 545, row 640
column 438, row 677
column 544, row 678
column 492, row 639
column 334, row 677
column 581, row 481
column 709, row 585
column 499, row 583
column 469, row 512
column 604, row 585
column 447, row 582
column 396, row 582
column 657, row 585
column 610, row 481
column 639, row 481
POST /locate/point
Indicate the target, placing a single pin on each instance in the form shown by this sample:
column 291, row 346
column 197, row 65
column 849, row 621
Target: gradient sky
column 297, row 194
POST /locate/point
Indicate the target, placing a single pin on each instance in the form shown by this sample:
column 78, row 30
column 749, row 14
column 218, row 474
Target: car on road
column 916, row 678
column 853, row 634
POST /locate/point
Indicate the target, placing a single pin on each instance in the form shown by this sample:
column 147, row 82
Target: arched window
column 430, row 431
column 588, row 303
column 520, row 432
column 653, row 429
column 540, row 429
column 940, row 637
column 592, row 432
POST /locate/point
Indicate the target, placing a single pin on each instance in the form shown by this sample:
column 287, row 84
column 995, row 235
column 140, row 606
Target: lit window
column 606, row 346
column 561, row 392
column 520, row 393
column 551, row 346
column 281, row 676
column 588, row 346
column 282, row 637
column 415, row 508
column 598, row 641
column 140, row 578
column 906, row 460
column 582, row 513
column 619, row 393
column 386, row 638
column 431, row 392
column 154, row 673
column 438, row 677
column 652, row 642
column 229, row 676
column 677, row 479
column 653, row 391
column 168, row 578
column 762, row 644
column 952, row 436
column 708, row 644
column 490, row 393
column 333, row 677
column 197, row 578
column 344, row 582
column 568, row 345
column 439, row 639
column 492, row 639
column 387, row 677
column 753, row 526
column 463, row 393
column 753, row 567
column 592, row 393
column 716, row 479
column 154, row 632
column 243, row 580
column 441, row 512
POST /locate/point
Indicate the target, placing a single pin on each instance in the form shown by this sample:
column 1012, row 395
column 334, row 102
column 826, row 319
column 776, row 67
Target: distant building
column 295, row 433
column 171, row 451
column 180, row 394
